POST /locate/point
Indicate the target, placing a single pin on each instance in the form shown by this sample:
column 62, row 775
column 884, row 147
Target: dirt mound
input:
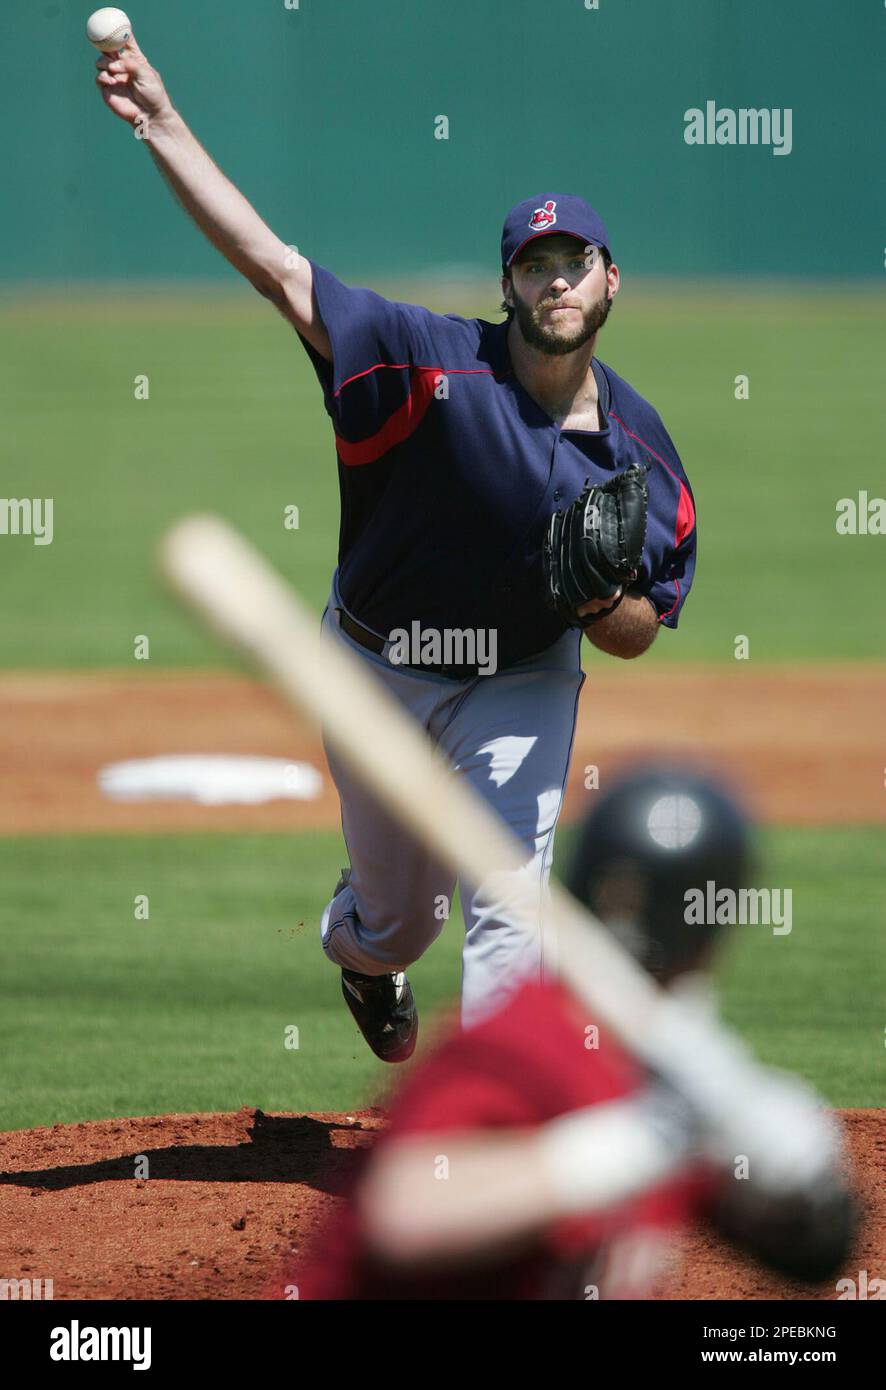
column 222, row 1199
column 225, row 1198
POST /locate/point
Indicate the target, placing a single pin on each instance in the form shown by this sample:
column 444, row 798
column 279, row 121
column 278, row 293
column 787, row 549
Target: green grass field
column 105, row 1015
column 235, row 422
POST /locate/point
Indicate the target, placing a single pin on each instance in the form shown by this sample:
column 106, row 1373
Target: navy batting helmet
column 658, row 834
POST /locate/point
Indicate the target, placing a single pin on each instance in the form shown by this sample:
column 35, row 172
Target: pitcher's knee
column 375, row 949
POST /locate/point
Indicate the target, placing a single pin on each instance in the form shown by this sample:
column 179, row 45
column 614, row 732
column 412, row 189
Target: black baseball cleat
column 384, row 1010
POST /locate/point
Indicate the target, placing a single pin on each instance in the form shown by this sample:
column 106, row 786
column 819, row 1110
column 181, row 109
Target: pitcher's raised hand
column 130, row 86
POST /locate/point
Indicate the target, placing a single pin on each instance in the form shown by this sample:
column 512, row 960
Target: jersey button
column 558, row 494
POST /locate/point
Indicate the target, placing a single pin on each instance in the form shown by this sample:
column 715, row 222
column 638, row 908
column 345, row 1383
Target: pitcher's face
column 561, row 293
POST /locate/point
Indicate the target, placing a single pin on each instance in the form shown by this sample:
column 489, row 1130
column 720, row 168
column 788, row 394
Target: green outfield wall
column 330, row 117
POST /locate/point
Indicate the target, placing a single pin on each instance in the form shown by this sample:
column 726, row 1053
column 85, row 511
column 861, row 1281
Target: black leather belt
column 364, row 637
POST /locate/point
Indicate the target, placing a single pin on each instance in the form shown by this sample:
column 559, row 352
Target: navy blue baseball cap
column 546, row 215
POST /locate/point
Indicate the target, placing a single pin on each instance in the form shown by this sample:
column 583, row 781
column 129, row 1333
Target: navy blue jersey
column 449, row 471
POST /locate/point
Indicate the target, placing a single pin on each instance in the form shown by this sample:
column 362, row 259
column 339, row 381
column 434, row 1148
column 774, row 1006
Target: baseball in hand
column 108, row 29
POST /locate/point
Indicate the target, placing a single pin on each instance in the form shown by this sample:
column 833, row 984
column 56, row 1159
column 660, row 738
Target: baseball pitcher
column 503, row 492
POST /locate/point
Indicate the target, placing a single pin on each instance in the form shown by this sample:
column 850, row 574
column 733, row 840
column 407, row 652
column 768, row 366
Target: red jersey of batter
column 535, row 1059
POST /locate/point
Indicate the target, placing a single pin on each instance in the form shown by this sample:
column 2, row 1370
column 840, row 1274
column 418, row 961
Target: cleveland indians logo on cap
column 543, row 217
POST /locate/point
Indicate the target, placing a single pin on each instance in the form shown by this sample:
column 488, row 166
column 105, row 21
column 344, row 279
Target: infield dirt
column 229, row 1197
column 798, row 742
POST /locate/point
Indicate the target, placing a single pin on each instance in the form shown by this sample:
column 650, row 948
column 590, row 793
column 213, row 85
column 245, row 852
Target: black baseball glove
column 594, row 547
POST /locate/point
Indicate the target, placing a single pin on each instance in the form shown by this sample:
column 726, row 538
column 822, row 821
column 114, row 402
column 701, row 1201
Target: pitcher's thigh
column 513, row 747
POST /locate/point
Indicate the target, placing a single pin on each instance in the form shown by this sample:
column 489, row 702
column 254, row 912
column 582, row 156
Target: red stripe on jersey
column 406, row 420
column 613, row 416
column 685, row 515
column 376, row 367
column 662, row 616
column 402, row 366
column 398, row 426
column 685, row 507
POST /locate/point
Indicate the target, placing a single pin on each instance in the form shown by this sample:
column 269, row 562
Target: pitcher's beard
column 559, row 344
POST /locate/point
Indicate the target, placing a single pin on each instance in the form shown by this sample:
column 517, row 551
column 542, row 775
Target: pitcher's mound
column 209, row 1206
